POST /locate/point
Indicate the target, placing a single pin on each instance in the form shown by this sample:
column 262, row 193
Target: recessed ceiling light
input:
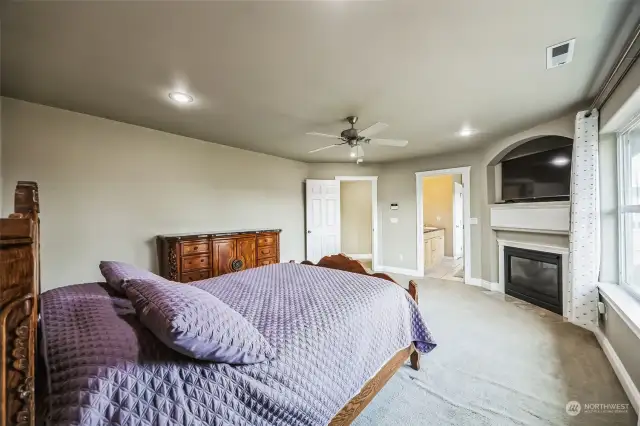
column 560, row 161
column 181, row 98
column 466, row 132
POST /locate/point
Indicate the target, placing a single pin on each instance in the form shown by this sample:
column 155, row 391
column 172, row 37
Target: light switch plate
column 473, row 220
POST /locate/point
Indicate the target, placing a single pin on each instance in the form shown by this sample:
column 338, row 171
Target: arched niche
column 531, row 145
column 522, row 147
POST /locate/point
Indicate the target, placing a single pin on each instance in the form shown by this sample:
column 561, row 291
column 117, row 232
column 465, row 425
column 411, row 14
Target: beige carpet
column 497, row 363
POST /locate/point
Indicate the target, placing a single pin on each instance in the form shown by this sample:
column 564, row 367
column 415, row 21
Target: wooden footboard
column 343, row 262
column 355, row 406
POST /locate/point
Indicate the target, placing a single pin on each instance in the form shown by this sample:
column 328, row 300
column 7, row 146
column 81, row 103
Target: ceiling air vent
column 560, row 54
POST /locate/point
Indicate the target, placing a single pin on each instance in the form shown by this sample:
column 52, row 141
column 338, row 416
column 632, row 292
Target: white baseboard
column 625, row 380
column 475, row 281
column 489, row 285
column 361, row 256
column 401, row 271
column 479, row 282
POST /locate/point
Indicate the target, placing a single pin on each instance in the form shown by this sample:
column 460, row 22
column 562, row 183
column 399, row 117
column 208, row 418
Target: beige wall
column 397, row 184
column 355, row 217
column 331, row 170
column 438, row 206
column 108, row 188
column 624, row 341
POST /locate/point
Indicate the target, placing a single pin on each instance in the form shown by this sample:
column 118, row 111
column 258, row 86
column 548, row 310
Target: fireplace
column 534, row 276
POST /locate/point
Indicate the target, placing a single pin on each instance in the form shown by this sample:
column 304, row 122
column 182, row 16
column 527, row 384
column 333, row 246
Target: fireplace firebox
column 534, row 276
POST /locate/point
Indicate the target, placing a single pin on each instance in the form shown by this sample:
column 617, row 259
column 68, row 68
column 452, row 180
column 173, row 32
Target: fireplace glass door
column 535, row 277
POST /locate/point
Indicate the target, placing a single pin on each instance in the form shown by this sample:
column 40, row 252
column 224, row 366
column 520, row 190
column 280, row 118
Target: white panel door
column 458, row 220
column 323, row 218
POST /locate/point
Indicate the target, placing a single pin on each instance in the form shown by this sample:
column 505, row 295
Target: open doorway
column 358, row 208
column 342, row 217
column 443, row 224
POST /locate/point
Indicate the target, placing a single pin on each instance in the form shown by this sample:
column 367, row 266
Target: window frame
column 622, row 170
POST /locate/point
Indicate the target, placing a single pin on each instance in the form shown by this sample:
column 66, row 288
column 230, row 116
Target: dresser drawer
column 266, row 240
column 195, row 247
column 267, row 251
column 267, row 261
column 196, row 276
column 195, row 262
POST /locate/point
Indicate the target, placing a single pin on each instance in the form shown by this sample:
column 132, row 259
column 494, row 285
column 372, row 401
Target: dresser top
column 194, row 235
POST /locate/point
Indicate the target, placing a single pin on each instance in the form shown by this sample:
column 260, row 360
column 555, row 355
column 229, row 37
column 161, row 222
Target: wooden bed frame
column 20, row 290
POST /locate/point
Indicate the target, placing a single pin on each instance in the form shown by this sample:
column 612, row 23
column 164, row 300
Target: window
column 629, row 205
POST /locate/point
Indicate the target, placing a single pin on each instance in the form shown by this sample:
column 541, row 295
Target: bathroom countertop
column 426, row 231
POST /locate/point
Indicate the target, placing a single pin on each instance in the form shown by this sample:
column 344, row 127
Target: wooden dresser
column 192, row 257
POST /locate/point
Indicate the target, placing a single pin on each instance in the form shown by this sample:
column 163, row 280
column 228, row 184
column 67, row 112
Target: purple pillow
column 196, row 323
column 119, row 273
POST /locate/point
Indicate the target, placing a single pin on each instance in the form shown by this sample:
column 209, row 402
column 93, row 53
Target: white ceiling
column 264, row 73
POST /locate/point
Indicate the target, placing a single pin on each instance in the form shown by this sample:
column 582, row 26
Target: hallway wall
column 355, row 217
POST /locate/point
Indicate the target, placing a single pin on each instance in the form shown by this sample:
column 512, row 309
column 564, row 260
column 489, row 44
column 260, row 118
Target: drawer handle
column 201, row 260
column 236, row 265
column 195, row 248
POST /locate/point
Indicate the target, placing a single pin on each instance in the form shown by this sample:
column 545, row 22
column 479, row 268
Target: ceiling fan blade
column 389, row 142
column 372, row 130
column 324, row 135
column 324, row 147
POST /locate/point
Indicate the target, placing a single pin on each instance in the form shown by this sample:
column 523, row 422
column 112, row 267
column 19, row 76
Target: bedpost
column 415, row 355
column 19, row 291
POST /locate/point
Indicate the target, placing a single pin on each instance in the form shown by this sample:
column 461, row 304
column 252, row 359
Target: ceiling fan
column 356, row 138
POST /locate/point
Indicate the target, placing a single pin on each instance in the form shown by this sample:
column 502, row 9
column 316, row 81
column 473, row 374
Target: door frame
column 465, row 171
column 455, row 216
column 374, row 215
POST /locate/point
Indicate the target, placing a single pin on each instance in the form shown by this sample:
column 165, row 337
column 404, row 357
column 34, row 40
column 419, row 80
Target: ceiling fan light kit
column 356, row 138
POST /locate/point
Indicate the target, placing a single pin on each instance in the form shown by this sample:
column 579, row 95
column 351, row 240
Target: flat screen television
column 543, row 176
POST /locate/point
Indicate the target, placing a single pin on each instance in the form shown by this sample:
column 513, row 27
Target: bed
column 339, row 332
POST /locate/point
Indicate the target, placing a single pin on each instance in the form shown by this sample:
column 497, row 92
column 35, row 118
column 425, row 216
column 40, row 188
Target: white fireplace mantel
column 562, row 251
column 546, row 217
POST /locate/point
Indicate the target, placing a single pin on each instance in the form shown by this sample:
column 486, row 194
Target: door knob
column 308, row 232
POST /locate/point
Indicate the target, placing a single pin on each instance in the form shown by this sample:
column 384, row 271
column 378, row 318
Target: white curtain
column 584, row 238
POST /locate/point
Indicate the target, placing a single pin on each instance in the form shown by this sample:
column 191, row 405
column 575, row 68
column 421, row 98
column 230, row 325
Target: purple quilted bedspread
column 331, row 330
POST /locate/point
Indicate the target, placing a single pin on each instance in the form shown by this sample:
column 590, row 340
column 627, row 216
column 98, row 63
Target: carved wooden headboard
column 19, row 292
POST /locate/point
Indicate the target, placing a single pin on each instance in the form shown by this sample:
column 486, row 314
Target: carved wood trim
column 22, row 356
column 173, row 264
column 19, row 292
column 26, row 198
